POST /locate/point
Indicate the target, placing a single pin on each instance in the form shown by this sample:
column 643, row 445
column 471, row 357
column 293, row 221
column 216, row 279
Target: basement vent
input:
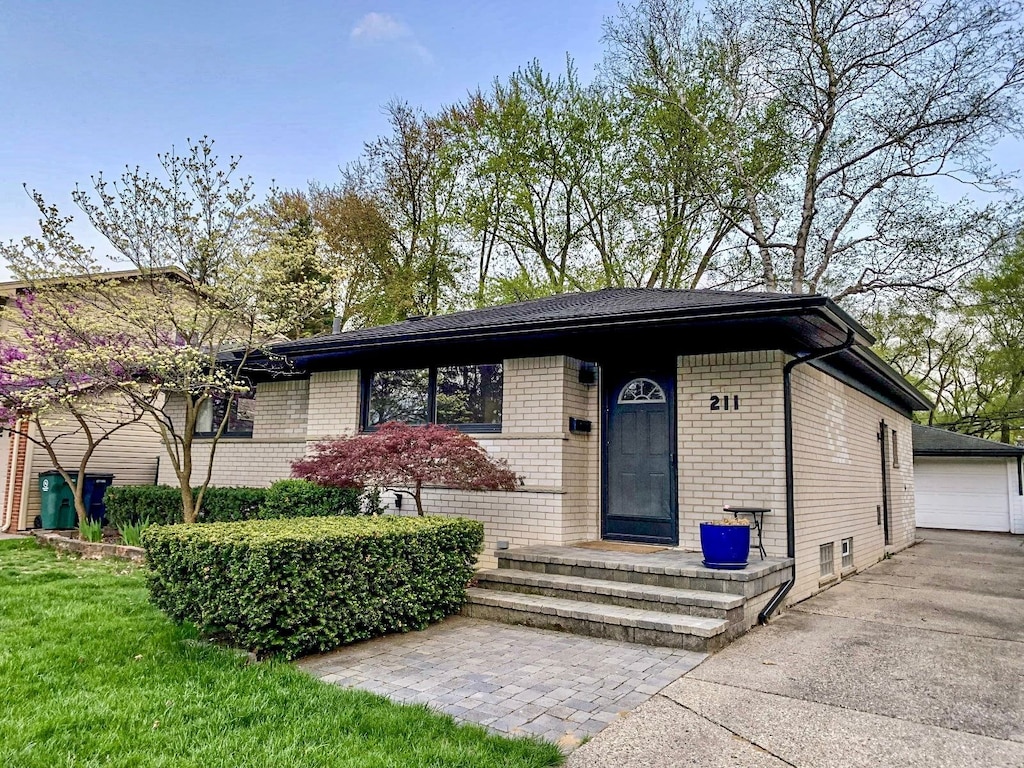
column 847, row 553
column 827, row 560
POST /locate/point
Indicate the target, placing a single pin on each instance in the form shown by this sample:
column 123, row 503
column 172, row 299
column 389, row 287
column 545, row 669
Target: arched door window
column 641, row 390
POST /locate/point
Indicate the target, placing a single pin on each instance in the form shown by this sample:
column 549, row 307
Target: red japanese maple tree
column 398, row 456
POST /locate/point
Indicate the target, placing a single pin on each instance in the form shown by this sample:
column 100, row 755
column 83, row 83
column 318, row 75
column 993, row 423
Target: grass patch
column 92, row 675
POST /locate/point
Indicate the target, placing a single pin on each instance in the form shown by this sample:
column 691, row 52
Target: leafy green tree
column 840, row 117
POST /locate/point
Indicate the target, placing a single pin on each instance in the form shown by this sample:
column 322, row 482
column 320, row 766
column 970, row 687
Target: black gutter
column 787, row 405
column 966, row 453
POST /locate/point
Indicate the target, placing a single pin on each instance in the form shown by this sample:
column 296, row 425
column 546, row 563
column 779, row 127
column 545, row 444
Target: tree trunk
column 418, row 496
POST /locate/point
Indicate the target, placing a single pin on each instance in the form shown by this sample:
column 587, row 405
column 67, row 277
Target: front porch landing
column 660, row 597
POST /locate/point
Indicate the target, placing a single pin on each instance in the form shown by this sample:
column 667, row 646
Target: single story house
column 967, row 483
column 631, row 414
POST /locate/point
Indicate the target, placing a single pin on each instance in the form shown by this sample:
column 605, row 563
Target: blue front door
column 639, row 456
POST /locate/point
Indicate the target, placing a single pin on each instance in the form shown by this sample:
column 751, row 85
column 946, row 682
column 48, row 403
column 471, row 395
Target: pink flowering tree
column 58, row 386
column 399, row 457
column 174, row 329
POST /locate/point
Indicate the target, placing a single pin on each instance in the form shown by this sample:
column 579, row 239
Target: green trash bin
column 57, row 499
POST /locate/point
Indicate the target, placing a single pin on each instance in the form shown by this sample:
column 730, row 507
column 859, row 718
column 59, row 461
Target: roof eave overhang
column 335, row 346
column 1009, row 453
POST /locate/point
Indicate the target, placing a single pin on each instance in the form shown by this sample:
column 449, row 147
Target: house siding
column 131, row 455
column 838, row 476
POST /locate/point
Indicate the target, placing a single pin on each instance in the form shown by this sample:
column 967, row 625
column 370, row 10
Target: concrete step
column 717, row 605
column 671, row 568
column 694, row 633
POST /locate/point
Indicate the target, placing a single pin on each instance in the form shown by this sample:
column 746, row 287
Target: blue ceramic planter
column 725, row 547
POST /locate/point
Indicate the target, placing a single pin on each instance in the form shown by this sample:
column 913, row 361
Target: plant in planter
column 725, row 543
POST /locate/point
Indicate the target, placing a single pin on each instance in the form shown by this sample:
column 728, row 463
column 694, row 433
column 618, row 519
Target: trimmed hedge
column 161, row 504
column 132, row 504
column 291, row 587
column 301, row 498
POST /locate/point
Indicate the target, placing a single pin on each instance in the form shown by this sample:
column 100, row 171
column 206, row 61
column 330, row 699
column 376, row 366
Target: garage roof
column 932, row 441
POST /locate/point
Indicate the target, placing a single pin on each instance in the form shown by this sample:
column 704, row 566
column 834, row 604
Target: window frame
column 895, row 445
column 228, row 434
column 366, row 387
column 846, row 553
column 829, row 548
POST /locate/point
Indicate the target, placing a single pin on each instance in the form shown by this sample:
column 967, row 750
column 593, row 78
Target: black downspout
column 787, row 410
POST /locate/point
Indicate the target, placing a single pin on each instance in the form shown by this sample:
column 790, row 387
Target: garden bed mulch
column 68, row 541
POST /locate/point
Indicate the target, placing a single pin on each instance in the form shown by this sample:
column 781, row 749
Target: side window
column 241, row 412
column 895, row 449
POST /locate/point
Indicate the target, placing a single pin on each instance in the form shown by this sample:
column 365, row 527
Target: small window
column 895, row 449
column 827, row 560
column 847, row 549
column 642, row 391
column 240, row 418
column 465, row 396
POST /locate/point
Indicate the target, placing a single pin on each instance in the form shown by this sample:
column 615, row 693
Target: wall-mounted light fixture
column 588, row 374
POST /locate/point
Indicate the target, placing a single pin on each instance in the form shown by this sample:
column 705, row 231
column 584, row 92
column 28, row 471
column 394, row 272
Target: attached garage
column 967, row 483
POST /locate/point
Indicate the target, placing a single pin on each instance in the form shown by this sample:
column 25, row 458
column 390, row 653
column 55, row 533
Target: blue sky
column 295, row 88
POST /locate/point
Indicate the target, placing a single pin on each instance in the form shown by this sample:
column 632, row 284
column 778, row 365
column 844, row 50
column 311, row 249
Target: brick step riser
column 727, row 586
column 597, row 629
column 731, row 615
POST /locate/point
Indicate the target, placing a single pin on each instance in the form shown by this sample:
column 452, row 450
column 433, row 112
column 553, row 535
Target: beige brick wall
column 581, row 458
column 520, row 517
column 731, row 456
column 240, row 462
column 333, row 404
column 838, row 477
column 281, row 408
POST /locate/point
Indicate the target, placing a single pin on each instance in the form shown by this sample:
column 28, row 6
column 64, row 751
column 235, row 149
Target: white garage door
column 966, row 494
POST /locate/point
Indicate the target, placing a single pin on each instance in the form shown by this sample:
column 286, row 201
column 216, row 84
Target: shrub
column 133, row 504
column 229, row 505
column 400, row 456
column 289, row 587
column 301, row 498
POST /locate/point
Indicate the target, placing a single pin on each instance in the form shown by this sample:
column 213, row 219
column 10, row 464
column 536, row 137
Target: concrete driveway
column 917, row 661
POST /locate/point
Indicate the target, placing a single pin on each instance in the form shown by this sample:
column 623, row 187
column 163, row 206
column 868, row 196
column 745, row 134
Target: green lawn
column 92, row 675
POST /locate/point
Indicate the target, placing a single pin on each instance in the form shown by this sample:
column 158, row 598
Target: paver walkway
column 514, row 680
column 917, row 661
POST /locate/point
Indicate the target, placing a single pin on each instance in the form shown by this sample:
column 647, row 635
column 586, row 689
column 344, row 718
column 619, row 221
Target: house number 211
column 725, row 402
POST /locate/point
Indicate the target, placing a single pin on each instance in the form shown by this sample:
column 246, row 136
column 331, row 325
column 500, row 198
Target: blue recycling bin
column 93, row 494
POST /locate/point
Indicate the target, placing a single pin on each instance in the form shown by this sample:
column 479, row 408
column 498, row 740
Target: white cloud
column 384, row 29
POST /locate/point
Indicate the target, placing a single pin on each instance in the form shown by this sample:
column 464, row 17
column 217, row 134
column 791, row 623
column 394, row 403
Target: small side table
column 757, row 514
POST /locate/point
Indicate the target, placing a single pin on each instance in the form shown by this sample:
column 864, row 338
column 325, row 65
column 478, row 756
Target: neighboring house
column 131, row 455
column 631, row 414
column 967, row 483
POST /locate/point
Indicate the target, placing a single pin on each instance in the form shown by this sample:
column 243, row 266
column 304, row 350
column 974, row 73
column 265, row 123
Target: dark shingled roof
column 609, row 322
column 931, row 441
column 574, row 308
